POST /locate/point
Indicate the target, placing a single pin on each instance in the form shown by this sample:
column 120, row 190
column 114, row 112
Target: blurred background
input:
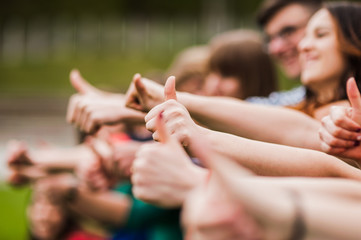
column 108, row 41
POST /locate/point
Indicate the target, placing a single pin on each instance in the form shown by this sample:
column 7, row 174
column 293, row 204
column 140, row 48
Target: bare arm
column 262, row 158
column 275, row 203
column 258, row 122
column 109, row 207
column 277, row 160
column 265, row 123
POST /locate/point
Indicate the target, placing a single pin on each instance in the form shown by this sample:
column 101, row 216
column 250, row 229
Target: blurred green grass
column 13, row 203
column 51, row 78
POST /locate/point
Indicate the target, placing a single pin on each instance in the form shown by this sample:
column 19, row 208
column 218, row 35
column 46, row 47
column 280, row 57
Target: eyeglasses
column 284, row 34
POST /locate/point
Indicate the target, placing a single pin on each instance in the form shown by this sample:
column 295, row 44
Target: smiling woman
column 330, row 53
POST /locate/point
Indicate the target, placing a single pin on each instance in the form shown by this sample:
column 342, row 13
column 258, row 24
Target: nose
column 276, row 46
column 305, row 44
column 211, row 84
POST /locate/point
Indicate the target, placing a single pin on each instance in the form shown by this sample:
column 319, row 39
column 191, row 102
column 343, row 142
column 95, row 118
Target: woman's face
column 320, row 55
column 217, row 85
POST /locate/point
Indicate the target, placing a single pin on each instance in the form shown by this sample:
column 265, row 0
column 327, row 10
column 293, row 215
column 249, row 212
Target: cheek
column 231, row 88
column 335, row 63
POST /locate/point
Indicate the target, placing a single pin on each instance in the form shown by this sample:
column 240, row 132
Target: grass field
column 12, row 212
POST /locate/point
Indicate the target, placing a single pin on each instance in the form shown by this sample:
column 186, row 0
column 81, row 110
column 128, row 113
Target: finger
column 87, row 121
column 133, row 98
column 339, row 132
column 90, row 124
column 335, row 142
column 163, row 134
column 340, row 117
column 153, row 113
column 353, row 93
column 72, row 108
column 80, row 84
column 151, row 124
column 169, row 89
column 331, row 150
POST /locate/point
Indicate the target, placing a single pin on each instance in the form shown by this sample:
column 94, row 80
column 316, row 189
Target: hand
column 91, row 108
column 163, row 174
column 340, row 131
column 211, row 211
column 91, row 171
column 21, row 165
column 176, row 117
column 124, row 155
column 143, row 94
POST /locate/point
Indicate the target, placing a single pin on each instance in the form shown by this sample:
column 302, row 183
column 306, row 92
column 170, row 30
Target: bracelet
column 299, row 226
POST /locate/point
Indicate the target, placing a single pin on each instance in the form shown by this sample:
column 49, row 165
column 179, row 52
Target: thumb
column 353, row 94
column 164, row 135
column 80, row 84
column 354, row 97
column 139, row 86
column 169, row 89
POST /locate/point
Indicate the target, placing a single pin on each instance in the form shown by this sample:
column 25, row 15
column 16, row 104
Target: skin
column 273, row 216
column 320, row 48
column 340, row 131
column 217, row 85
column 285, row 51
column 91, row 108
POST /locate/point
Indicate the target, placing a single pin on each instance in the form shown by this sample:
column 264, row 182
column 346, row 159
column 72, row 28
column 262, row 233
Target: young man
column 283, row 23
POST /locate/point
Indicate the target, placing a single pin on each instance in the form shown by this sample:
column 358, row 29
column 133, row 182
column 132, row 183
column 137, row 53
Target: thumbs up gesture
column 143, row 94
column 340, row 132
column 91, row 108
column 176, row 116
column 162, row 172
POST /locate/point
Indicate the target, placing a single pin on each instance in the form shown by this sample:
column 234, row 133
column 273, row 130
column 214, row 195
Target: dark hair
column 270, row 7
column 347, row 18
column 240, row 54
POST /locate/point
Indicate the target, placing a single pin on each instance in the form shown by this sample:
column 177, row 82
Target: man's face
column 284, row 31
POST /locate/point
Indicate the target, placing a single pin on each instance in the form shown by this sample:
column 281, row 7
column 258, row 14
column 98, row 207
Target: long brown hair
column 347, row 18
column 240, row 54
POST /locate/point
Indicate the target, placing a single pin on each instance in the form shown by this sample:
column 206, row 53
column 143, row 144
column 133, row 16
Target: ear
column 169, row 89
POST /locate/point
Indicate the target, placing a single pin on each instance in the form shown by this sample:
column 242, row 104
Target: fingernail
column 357, row 143
column 358, row 138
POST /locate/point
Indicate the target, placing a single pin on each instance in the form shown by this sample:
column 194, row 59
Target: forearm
column 277, row 160
column 60, row 158
column 108, row 207
column 264, row 123
column 331, row 217
column 319, row 213
column 341, row 188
